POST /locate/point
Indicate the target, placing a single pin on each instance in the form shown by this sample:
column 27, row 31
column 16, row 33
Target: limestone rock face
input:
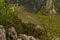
column 12, row 33
column 2, row 33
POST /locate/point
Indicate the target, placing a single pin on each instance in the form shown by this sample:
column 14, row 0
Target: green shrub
column 7, row 16
column 30, row 29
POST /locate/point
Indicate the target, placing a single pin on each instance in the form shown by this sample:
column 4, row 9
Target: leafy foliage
column 7, row 16
column 51, row 22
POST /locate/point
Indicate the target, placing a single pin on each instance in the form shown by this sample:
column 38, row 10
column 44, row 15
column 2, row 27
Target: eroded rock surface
column 12, row 33
column 25, row 37
column 2, row 33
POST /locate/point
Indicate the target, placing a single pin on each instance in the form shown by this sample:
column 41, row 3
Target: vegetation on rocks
column 37, row 18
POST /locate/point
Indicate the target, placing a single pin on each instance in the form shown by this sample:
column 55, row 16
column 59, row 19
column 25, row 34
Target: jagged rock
column 49, row 4
column 12, row 33
column 19, row 39
column 31, row 38
column 23, row 37
column 2, row 33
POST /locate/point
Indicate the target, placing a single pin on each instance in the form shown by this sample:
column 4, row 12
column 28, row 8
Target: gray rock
column 12, row 33
column 23, row 37
column 19, row 39
column 31, row 38
column 2, row 33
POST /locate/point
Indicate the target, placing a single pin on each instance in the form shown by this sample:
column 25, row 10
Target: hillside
column 36, row 18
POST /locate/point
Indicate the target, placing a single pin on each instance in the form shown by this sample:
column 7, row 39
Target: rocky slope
column 26, row 12
column 13, row 35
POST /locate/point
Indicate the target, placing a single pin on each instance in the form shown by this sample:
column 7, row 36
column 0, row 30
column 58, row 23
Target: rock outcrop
column 2, row 33
column 13, row 34
column 25, row 37
column 31, row 38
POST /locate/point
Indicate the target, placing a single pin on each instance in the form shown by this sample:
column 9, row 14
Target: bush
column 30, row 29
column 7, row 16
